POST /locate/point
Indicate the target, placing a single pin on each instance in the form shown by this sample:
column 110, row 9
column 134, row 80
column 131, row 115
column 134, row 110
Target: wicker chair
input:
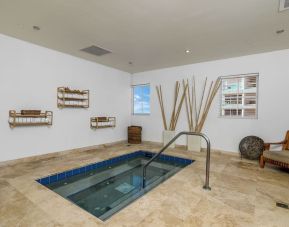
column 280, row 158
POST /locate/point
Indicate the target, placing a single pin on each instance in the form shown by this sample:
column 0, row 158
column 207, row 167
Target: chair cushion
column 280, row 156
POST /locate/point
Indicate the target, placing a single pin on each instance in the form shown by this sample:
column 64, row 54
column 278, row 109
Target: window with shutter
column 239, row 96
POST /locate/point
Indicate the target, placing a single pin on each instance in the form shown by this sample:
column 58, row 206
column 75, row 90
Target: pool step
column 133, row 195
column 72, row 188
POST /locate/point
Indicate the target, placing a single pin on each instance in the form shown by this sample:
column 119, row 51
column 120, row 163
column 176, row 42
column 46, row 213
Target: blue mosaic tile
column 149, row 155
column 88, row 167
column 101, row 164
column 61, row 176
column 76, row 172
column 44, row 180
column 178, row 160
column 68, row 173
column 53, row 178
column 183, row 161
column 82, row 170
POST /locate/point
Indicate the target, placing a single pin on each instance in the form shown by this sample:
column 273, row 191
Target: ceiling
column 149, row 34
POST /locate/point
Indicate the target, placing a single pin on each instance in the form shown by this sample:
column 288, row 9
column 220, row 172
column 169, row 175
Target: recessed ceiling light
column 36, row 28
column 188, row 51
column 280, row 31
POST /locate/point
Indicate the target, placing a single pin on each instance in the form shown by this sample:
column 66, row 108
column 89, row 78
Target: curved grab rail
column 206, row 186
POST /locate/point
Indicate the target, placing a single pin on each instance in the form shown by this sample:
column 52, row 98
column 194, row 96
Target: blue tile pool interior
column 58, row 180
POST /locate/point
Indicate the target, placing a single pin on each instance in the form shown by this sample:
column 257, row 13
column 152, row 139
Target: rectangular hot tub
column 106, row 187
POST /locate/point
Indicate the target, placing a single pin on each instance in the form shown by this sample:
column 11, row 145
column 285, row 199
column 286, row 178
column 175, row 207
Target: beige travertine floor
column 242, row 194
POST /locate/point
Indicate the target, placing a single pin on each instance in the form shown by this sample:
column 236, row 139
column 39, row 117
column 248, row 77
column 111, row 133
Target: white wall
column 29, row 77
column 225, row 134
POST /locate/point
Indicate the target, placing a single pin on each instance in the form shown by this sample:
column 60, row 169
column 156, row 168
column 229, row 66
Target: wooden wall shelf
column 30, row 118
column 68, row 98
column 102, row 122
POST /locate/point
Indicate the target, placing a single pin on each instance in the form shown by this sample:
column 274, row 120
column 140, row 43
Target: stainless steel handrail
column 206, row 186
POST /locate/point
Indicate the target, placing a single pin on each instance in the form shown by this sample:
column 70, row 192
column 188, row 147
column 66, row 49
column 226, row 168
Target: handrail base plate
column 207, row 188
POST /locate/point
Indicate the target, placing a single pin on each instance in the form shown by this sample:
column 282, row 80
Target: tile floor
column 242, row 194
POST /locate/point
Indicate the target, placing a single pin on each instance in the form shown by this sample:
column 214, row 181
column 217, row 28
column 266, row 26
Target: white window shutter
column 239, row 96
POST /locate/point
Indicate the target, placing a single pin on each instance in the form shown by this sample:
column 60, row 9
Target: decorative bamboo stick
column 201, row 102
column 177, row 105
column 196, row 115
column 191, row 122
column 159, row 92
column 179, row 108
column 210, row 100
column 177, row 88
column 164, row 115
column 208, row 94
column 194, row 106
column 187, row 103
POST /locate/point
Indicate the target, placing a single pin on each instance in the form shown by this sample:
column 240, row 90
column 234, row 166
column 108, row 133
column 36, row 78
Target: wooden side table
column 134, row 134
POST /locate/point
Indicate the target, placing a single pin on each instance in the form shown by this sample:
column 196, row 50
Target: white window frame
column 132, row 99
column 257, row 96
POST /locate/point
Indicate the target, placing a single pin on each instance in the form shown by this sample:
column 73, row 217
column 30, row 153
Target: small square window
column 141, row 99
column 239, row 96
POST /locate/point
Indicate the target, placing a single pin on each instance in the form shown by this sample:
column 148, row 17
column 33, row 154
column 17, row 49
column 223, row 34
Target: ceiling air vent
column 284, row 4
column 95, row 50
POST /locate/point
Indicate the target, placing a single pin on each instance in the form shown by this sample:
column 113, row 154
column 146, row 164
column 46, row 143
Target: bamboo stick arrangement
column 177, row 106
column 196, row 112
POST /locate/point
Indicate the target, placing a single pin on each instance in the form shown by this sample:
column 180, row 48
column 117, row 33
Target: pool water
column 105, row 190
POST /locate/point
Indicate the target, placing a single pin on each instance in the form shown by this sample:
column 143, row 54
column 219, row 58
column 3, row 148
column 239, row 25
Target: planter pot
column 167, row 136
column 194, row 143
